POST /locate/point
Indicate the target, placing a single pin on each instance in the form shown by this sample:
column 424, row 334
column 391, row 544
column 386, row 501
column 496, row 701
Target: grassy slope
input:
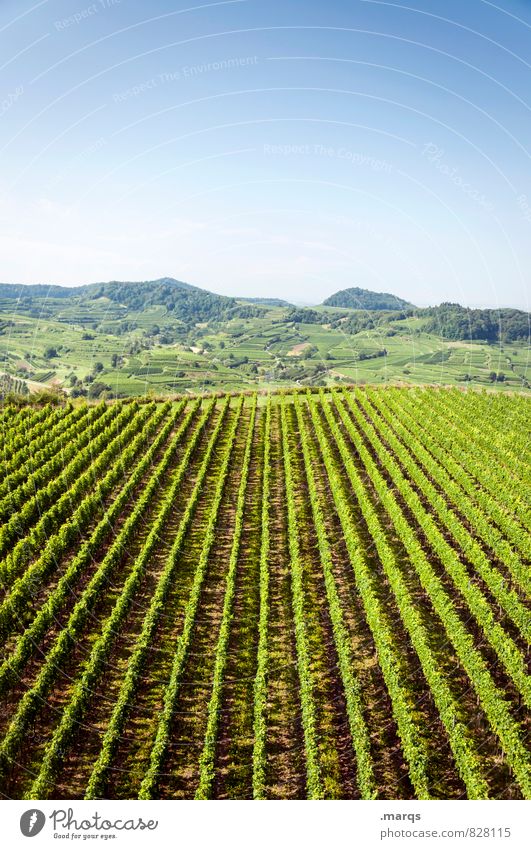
column 308, row 352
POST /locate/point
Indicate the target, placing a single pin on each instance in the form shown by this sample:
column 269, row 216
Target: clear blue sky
column 271, row 148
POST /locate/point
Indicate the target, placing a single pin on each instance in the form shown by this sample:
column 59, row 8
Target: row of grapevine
column 66, row 639
column 136, row 663
column 479, row 607
column 206, row 761
column 491, row 698
column 158, row 751
column 498, row 426
column 35, row 493
column 413, row 743
column 81, row 562
column 313, row 767
column 21, row 465
column 323, row 593
column 490, row 517
column 260, row 683
column 479, row 467
column 354, row 701
column 22, row 577
column 29, row 424
column 485, row 438
column 100, row 652
column 494, row 580
column 61, row 481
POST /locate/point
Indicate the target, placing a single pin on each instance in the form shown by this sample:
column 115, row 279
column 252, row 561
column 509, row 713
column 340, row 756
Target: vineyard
column 317, row 594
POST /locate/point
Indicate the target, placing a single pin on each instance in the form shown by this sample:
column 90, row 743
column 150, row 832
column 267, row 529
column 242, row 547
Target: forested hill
column 267, row 302
column 22, row 292
column 364, row 299
column 187, row 303
column 118, row 339
column 190, row 305
column 448, row 321
column 452, row 321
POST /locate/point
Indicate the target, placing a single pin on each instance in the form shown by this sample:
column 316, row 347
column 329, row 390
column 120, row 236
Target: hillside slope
column 364, row 299
column 166, row 337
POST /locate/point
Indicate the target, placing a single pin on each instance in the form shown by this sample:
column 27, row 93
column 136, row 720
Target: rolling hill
column 166, row 337
column 364, row 299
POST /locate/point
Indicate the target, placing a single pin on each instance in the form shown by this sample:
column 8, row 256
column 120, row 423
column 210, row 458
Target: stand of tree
column 187, row 303
column 363, row 299
column 453, row 321
column 187, row 306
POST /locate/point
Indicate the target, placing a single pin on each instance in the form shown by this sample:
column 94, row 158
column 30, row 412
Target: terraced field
column 306, row 595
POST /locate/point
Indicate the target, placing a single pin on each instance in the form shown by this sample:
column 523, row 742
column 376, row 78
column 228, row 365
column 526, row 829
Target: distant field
column 305, row 595
column 259, row 353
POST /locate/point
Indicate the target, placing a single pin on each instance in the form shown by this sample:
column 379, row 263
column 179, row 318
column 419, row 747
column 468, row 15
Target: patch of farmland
column 320, row 594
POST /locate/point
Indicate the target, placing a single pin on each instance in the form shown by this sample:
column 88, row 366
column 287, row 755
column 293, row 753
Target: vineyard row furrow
column 323, row 593
column 490, row 696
